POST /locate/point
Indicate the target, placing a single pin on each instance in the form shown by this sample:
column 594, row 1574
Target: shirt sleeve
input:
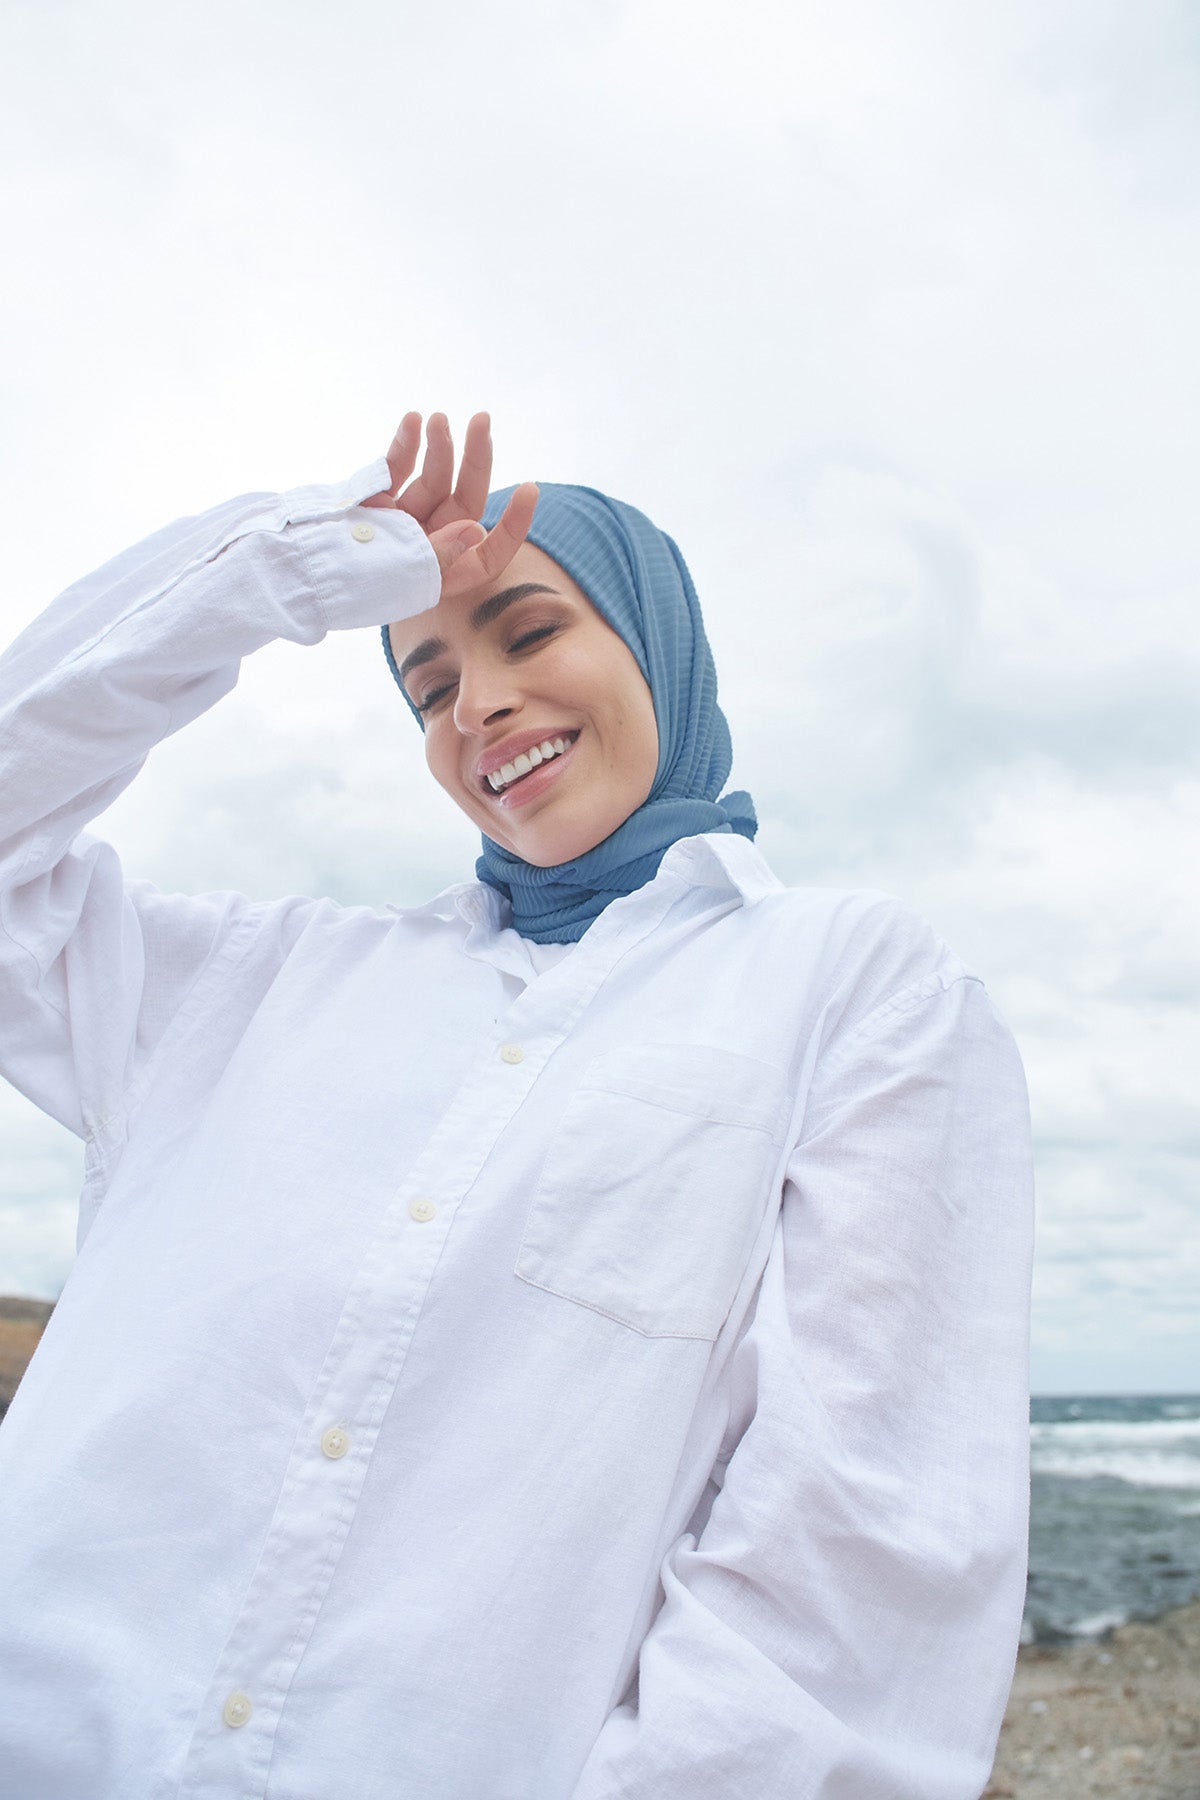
column 92, row 969
column 845, row 1624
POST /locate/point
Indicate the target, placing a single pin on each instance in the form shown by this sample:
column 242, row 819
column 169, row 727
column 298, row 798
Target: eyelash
column 533, row 637
column 524, row 642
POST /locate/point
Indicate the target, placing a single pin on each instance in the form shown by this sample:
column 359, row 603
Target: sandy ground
column 21, row 1325
column 1118, row 1718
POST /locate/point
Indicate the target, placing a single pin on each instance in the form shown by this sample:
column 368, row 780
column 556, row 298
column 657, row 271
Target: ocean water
column 1114, row 1528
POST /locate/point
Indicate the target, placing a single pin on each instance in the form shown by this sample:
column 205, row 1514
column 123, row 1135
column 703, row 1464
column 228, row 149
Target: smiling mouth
column 502, row 779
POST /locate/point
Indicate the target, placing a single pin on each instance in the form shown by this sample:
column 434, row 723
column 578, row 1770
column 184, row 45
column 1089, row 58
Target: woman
column 563, row 1341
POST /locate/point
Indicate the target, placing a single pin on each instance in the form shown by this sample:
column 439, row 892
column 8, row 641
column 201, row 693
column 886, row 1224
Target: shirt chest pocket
column 654, row 1186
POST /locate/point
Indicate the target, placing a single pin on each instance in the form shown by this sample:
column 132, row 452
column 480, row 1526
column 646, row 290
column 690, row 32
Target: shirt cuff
column 369, row 565
column 323, row 500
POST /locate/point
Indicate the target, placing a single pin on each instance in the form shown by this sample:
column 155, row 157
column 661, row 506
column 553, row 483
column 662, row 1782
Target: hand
column 468, row 555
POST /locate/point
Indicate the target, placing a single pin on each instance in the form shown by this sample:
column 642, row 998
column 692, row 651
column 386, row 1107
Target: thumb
column 453, row 541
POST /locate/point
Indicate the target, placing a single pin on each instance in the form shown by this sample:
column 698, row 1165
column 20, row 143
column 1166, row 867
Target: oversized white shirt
column 486, row 1377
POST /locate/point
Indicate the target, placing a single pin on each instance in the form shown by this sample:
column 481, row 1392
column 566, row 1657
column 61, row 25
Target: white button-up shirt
column 488, row 1377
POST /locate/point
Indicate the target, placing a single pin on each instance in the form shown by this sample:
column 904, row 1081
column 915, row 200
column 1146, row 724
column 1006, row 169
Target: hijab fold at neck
column 638, row 582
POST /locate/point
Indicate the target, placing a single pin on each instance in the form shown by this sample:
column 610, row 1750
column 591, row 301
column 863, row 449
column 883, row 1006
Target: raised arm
column 92, row 969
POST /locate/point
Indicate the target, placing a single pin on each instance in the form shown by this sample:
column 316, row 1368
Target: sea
column 1114, row 1529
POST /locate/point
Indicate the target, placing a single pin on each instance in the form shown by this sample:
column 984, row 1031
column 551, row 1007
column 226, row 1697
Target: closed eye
column 528, row 640
column 431, row 699
column 533, row 637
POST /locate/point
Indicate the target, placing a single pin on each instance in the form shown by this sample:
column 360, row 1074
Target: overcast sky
column 887, row 312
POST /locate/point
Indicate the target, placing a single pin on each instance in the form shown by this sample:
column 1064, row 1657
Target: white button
column 363, row 533
column 511, row 1053
column 237, row 1709
column 335, row 1442
column 422, row 1210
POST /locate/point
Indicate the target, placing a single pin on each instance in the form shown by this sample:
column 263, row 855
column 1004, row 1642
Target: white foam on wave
column 1118, row 1431
column 1158, row 1453
column 1138, row 1470
column 1096, row 1623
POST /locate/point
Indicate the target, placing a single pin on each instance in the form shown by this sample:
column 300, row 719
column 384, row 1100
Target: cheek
column 441, row 763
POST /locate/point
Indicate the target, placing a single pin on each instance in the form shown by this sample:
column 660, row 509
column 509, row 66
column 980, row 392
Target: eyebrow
column 482, row 615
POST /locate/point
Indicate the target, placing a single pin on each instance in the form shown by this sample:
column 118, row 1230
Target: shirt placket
column 231, row 1744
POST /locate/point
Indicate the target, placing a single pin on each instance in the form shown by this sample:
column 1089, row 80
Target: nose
column 486, row 692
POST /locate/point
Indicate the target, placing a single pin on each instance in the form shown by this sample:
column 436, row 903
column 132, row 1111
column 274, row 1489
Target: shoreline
column 1114, row 1718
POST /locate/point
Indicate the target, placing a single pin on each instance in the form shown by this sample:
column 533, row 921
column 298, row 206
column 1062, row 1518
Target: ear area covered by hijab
column 639, row 583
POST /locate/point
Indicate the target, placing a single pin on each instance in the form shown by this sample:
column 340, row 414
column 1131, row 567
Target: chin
column 545, row 852
column 542, row 856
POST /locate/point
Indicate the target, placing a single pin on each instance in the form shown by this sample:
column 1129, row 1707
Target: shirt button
column 237, row 1709
column 511, row 1053
column 335, row 1442
column 362, row 533
column 422, row 1210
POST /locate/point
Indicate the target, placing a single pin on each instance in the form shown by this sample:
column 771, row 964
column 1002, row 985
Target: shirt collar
column 721, row 860
column 472, row 901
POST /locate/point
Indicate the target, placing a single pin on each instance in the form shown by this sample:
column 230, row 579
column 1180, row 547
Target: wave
column 1112, row 1431
column 1098, row 1623
column 1137, row 1470
column 1156, row 1453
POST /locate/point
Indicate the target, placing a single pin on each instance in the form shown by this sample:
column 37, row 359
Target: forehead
column 450, row 619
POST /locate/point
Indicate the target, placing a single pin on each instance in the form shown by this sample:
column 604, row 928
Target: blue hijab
column 639, row 584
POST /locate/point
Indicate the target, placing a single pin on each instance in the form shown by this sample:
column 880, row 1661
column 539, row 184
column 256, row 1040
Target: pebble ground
column 1118, row 1719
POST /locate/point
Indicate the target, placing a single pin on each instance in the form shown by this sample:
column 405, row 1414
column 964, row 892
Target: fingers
column 475, row 470
column 428, row 499
column 432, row 486
column 402, row 451
column 401, row 459
column 508, row 533
column 469, row 561
column 452, row 544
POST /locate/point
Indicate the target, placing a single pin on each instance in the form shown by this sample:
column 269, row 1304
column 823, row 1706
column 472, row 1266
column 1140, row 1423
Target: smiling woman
column 565, row 1340
column 618, row 642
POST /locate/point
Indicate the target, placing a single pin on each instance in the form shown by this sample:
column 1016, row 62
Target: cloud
column 887, row 313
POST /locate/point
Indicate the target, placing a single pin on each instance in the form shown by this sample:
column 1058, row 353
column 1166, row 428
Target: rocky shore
column 1114, row 1719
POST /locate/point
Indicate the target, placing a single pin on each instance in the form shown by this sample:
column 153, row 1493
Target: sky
column 885, row 309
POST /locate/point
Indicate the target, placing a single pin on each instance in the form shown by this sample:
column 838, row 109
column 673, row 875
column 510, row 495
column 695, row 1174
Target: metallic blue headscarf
column 638, row 582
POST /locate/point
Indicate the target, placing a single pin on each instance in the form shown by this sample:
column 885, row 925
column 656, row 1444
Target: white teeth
column 526, row 761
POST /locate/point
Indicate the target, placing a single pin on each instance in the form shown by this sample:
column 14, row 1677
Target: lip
column 515, row 746
column 537, row 781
